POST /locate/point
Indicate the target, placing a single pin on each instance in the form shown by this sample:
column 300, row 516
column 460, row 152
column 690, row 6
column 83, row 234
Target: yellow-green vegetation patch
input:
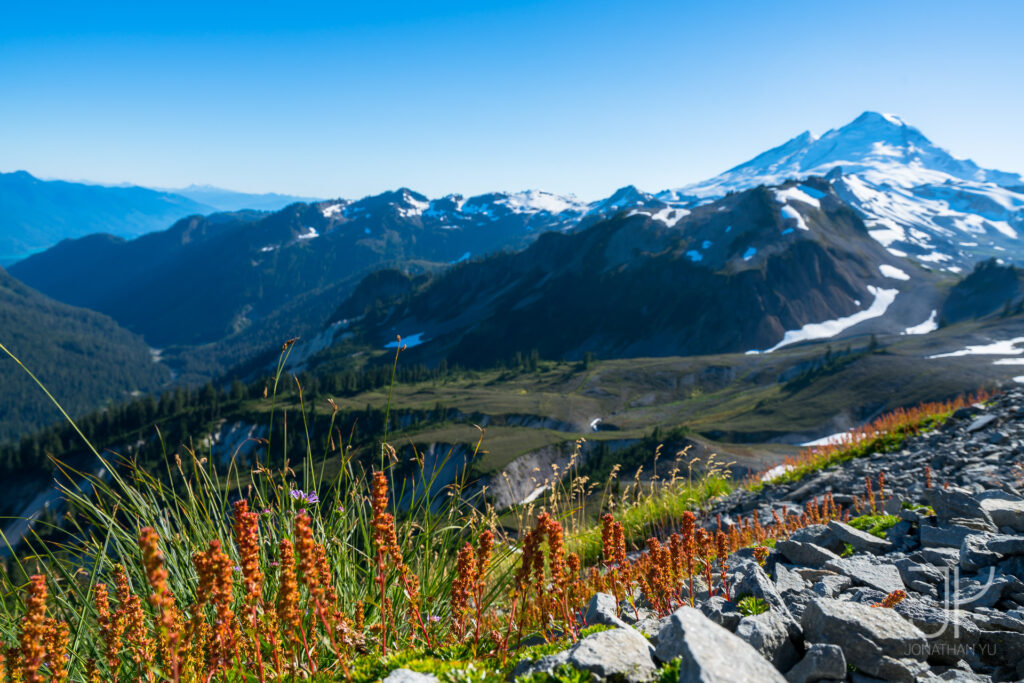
column 748, row 606
column 876, row 525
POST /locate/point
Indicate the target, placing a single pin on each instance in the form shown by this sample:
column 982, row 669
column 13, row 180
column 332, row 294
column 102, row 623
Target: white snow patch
column 270, row 247
column 1019, row 379
column 999, row 348
column 534, row 495
column 749, row 253
column 1009, row 361
column 892, row 272
column 776, row 471
column 929, row 325
column 789, row 213
column 830, row 328
column 534, row 201
column 937, row 257
column 799, row 194
column 838, row 437
column 310, row 233
column 594, row 423
column 669, row 216
column 331, row 210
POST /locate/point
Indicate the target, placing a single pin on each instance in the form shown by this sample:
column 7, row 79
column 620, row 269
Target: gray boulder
column 807, row 554
column 1005, row 512
column 788, row 581
column 948, row 632
column 956, row 504
column 975, row 553
column 865, row 570
column 949, row 536
column 722, row 612
column 620, row 654
column 818, row 534
column 1003, row 648
column 822, row 661
column 768, row 634
column 831, row 586
column 709, row 653
column 911, row 571
column 603, row 609
column 860, row 540
column 981, row 422
column 874, row 639
column 1005, row 544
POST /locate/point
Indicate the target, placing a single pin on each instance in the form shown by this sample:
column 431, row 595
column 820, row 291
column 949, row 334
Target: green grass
column 748, row 606
column 876, row 525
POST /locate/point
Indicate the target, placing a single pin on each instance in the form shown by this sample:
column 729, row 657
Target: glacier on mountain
column 914, row 196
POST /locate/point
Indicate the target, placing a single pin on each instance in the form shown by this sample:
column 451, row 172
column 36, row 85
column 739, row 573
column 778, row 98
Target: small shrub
column 876, row 525
column 749, row 606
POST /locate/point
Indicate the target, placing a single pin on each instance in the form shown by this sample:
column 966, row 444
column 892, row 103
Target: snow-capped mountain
column 916, row 197
column 531, row 209
column 756, row 271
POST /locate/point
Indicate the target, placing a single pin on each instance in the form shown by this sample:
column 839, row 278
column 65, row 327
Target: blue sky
column 344, row 99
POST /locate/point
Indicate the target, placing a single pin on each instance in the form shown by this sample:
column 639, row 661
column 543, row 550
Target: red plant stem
column 383, row 603
column 508, row 630
column 259, row 649
column 419, row 616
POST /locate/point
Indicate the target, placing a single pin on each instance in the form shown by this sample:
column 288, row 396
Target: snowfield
column 830, row 328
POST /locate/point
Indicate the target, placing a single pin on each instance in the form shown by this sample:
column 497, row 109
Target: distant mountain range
column 753, row 271
column 865, row 230
column 37, row 214
column 232, row 281
column 229, row 200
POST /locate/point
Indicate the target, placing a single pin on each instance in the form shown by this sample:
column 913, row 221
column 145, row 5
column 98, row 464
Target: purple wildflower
column 309, row 498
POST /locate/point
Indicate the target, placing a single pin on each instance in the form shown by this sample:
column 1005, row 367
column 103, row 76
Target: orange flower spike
column 217, row 583
column 465, row 578
column 133, row 619
column 306, row 549
column 869, row 490
column 675, row 545
column 111, row 629
column 686, row 529
column 247, row 538
column 483, row 555
column 608, row 538
column 360, row 617
column 288, row 591
column 892, row 599
column 58, row 639
column 33, row 630
column 556, row 549
column 161, row 598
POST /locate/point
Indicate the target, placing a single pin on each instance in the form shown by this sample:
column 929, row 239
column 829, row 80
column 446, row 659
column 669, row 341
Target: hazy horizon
column 579, row 98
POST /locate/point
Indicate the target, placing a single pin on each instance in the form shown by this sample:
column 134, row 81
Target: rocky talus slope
column 956, row 548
